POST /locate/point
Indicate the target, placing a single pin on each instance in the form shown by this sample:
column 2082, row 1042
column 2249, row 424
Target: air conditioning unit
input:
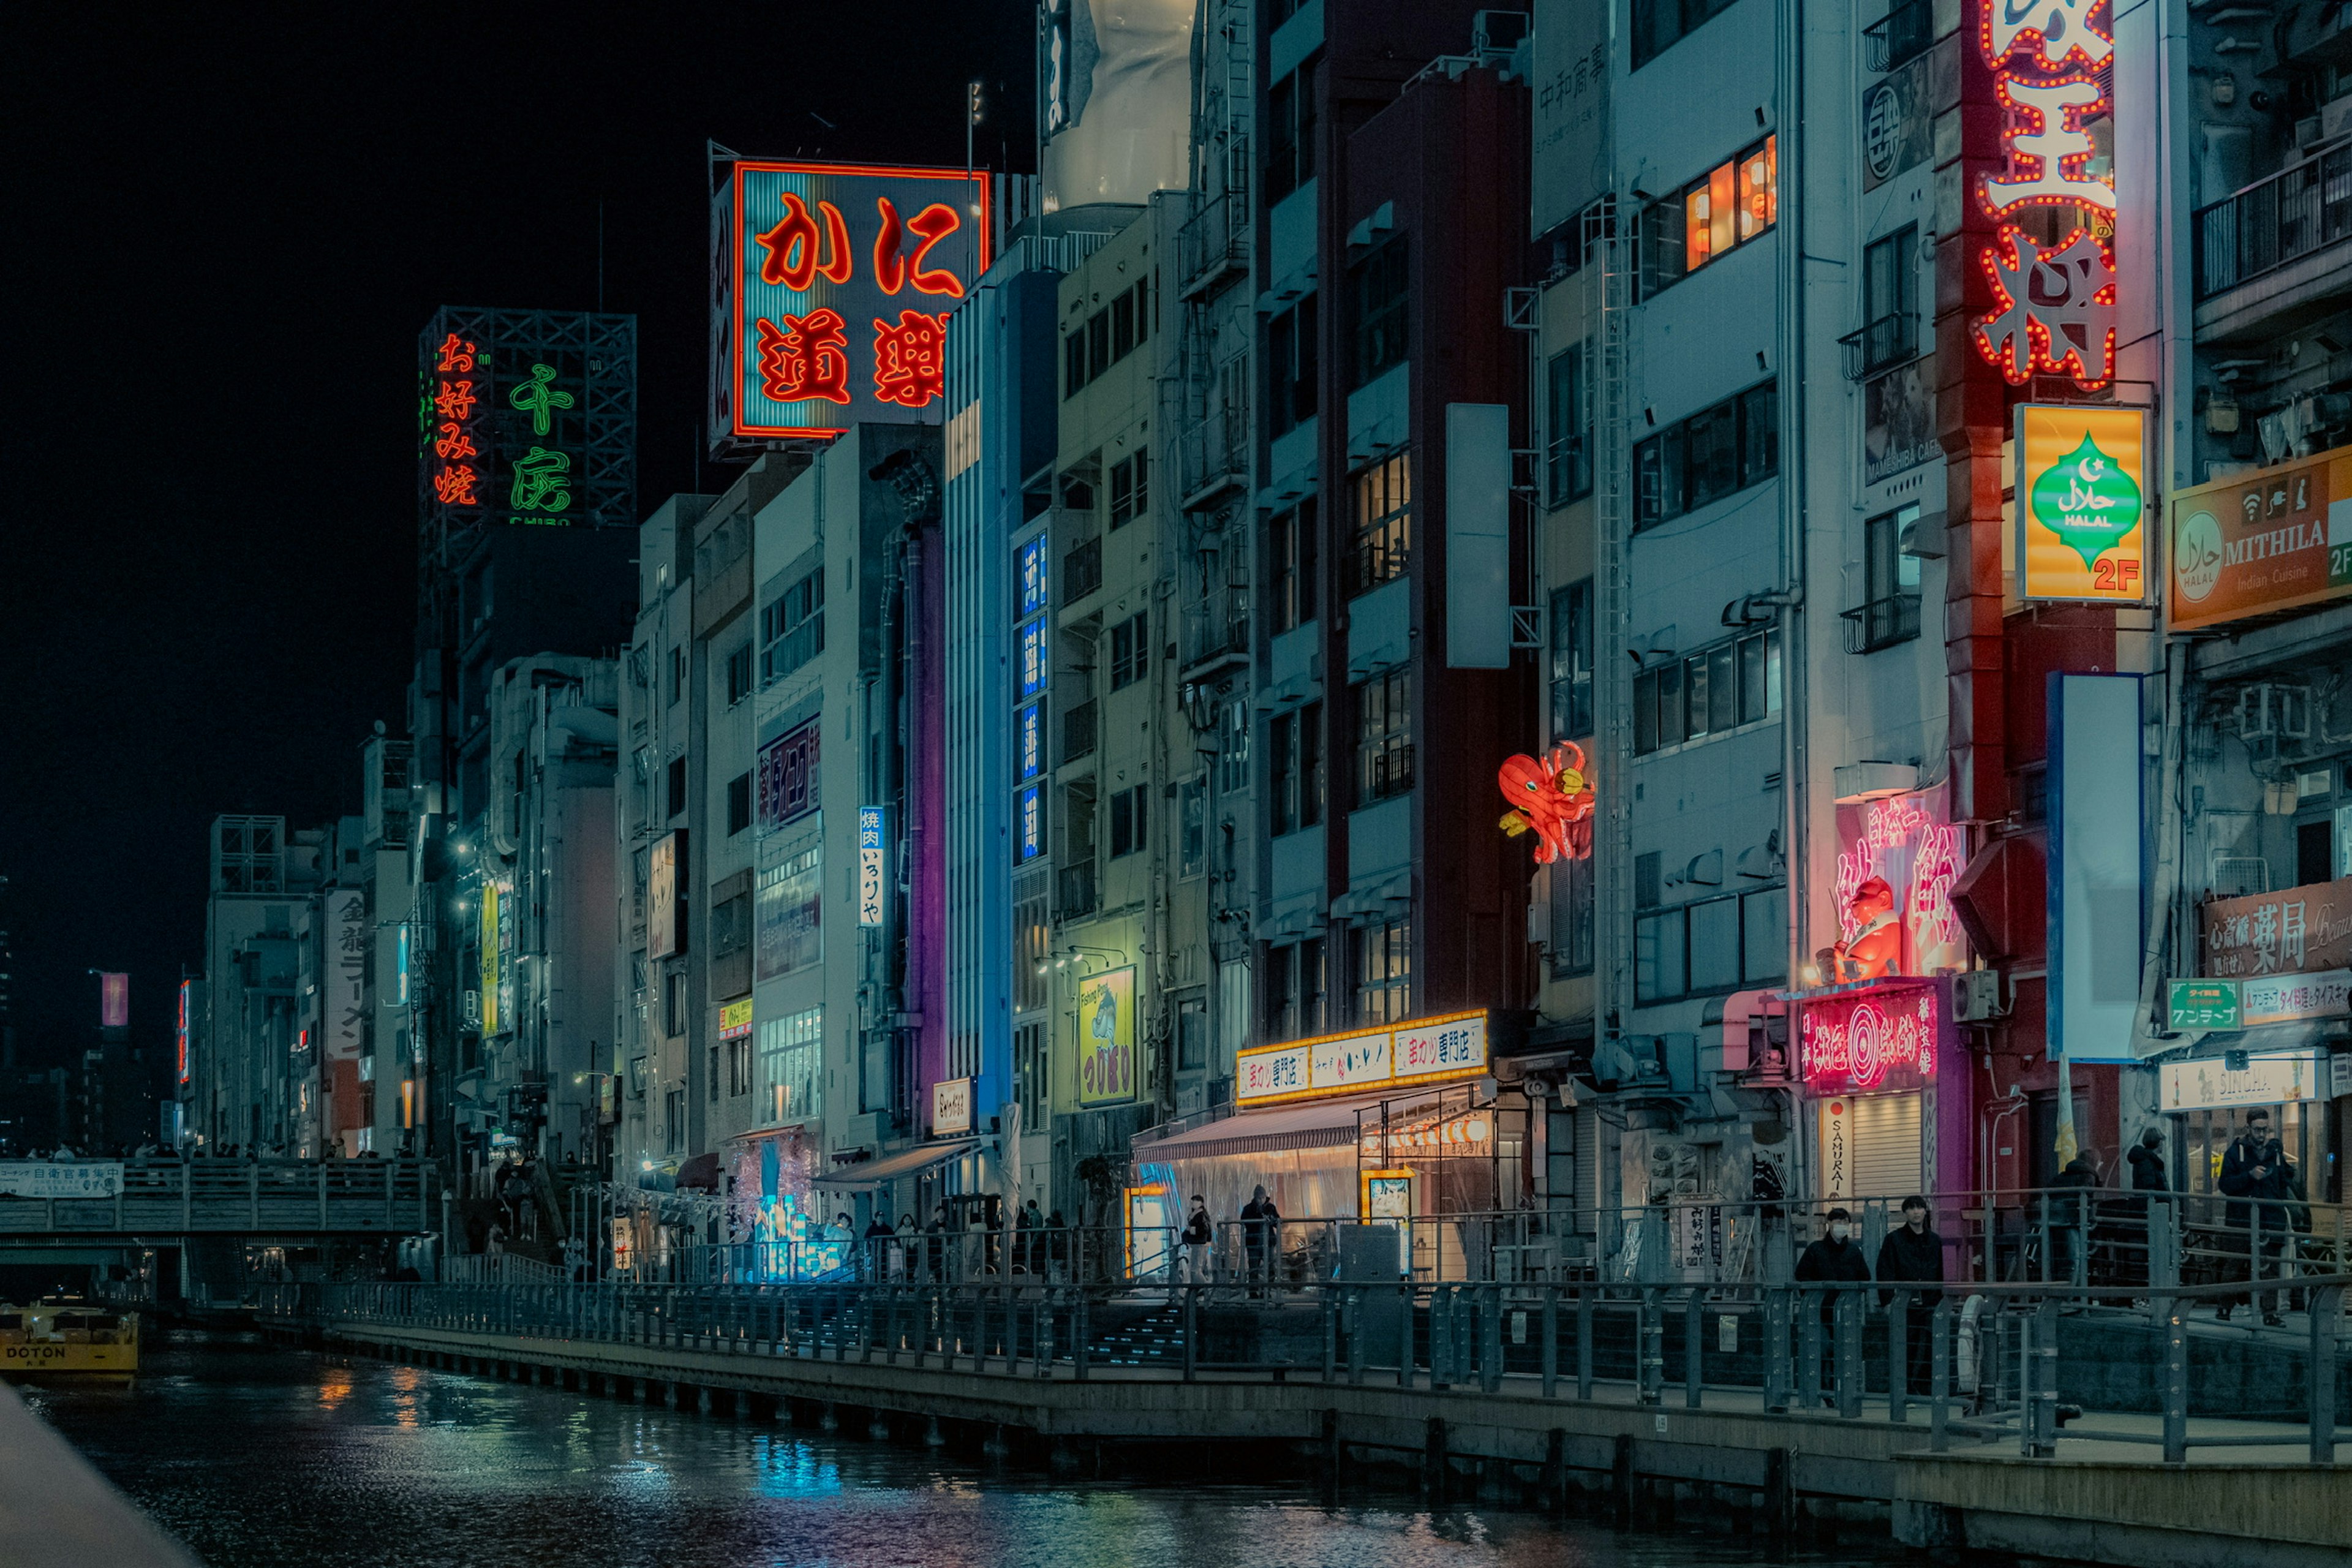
column 1976, row 996
column 1497, row 31
column 2266, row 712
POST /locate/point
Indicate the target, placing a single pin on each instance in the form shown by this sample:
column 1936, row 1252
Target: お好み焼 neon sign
column 2054, row 303
column 1854, row 1044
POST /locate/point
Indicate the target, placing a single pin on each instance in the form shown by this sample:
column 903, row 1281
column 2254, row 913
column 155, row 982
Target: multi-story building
column 256, row 1075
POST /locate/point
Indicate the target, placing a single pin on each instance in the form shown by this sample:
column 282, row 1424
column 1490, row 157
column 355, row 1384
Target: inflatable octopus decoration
column 1550, row 798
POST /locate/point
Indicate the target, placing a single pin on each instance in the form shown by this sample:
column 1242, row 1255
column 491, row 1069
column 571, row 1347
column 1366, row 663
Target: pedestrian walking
column 1261, row 1237
column 2067, row 1208
column 1832, row 1259
column 2260, row 1183
column 1913, row 1254
column 1199, row 1240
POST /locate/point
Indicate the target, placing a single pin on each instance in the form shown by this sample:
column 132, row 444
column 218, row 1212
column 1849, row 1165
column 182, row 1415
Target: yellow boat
column 68, row 1339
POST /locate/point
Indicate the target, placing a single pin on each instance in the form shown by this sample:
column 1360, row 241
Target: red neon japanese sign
column 824, row 261
column 2053, row 304
column 1869, row 1039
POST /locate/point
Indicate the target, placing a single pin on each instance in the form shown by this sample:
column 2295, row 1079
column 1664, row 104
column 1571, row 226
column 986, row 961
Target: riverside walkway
column 2207, row 1447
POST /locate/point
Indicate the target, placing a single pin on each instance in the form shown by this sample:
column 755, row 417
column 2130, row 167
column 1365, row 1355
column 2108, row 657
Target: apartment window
column 1571, row 916
column 1128, row 809
column 1658, row 24
column 1290, row 567
column 739, row 803
column 1296, row 985
column 792, row 627
column 1289, row 134
column 1033, row 943
column 1889, row 612
column 1710, row 692
column 674, row 1002
column 791, row 1066
column 1383, row 736
column 1106, row 337
column 1131, row 488
column 1732, row 203
column 1032, row 1072
column 677, row 786
column 1291, row 368
column 1382, row 540
column 1383, row 955
column 739, row 674
column 674, row 1122
column 1567, row 459
column 1382, row 285
column 1192, row 1035
column 1193, row 812
column 1712, row 946
column 1295, row 769
column 1890, row 300
column 1717, row 452
column 1232, row 748
column 1130, row 650
column 738, row 1068
column 677, row 673
column 1571, row 661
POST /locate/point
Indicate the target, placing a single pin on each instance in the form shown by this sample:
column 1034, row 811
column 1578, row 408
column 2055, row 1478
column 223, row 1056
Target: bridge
column 104, row 1211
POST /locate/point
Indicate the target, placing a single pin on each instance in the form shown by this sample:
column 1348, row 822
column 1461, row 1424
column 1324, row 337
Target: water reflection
column 259, row 1457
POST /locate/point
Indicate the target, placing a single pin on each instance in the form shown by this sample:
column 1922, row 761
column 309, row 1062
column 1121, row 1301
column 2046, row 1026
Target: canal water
column 257, row 1456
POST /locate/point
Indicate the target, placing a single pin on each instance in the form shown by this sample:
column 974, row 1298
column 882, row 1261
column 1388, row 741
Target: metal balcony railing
column 1882, row 344
column 1215, row 452
column 1216, row 630
column 1213, row 244
column 1901, row 36
column 1077, row 732
column 1082, row 571
column 2289, row 215
column 1077, row 891
column 1882, row 623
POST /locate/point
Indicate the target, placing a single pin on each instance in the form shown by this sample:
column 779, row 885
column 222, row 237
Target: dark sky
column 225, row 228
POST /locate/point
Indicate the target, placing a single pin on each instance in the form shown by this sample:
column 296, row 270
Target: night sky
column 225, row 230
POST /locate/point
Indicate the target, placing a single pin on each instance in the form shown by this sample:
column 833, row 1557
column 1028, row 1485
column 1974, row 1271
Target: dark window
column 1074, row 362
column 1295, row 770
column 1569, row 459
column 1714, row 453
column 739, row 803
column 1890, row 300
column 1098, row 343
column 1130, row 650
column 1382, row 542
column 673, row 1002
column 1131, row 488
column 1709, row 692
column 1078, row 483
column 1383, row 287
column 792, row 627
column 1383, row 971
column 1128, row 809
column 1295, row 990
column 677, row 786
column 1310, row 765
column 1889, row 612
column 1383, row 736
column 1731, row 204
column 1123, row 327
column 1290, row 135
column 1290, row 551
column 1659, row 25
column 1571, row 661
column 1712, row 946
column 1571, row 915
column 739, row 675
column 1291, row 367
column 1192, row 1035
column 677, row 673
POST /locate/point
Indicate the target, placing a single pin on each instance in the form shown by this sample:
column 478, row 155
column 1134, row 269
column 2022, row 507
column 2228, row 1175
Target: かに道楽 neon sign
column 2053, row 305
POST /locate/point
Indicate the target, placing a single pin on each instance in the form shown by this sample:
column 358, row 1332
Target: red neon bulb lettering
column 454, row 486
column 803, row 358
column 910, row 359
column 934, row 222
column 455, row 354
column 889, row 266
column 455, row 400
column 454, row 443
column 2054, row 311
column 2048, row 152
column 2005, row 26
column 794, row 249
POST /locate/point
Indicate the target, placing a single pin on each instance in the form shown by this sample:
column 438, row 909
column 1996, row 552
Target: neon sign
column 822, row 275
column 180, row 1030
column 1852, row 1045
column 1551, row 798
column 1897, row 860
column 2055, row 305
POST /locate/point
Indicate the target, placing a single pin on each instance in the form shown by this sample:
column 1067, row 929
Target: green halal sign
column 2088, row 500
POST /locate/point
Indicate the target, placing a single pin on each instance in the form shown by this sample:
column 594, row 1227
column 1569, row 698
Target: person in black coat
column 2255, row 1168
column 1911, row 1253
column 1833, row 1259
column 2069, row 1209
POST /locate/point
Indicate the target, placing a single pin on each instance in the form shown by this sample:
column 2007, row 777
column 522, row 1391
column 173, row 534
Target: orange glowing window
column 1699, row 231
column 1722, row 209
column 1759, row 195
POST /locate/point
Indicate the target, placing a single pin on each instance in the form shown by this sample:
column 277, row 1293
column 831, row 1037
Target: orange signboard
column 2275, row 539
column 2081, row 503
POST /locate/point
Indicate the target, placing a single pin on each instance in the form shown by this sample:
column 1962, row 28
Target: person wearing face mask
column 1833, row 1259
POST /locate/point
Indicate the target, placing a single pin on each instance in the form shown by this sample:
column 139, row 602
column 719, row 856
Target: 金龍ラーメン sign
column 2081, row 504
column 834, row 282
column 1423, row 1050
column 2275, row 540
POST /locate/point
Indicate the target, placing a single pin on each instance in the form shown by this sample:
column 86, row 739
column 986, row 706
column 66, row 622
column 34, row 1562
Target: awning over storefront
column 1321, row 1125
column 874, row 1173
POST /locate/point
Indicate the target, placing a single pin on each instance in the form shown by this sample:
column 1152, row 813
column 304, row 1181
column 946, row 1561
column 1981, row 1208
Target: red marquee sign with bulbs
column 2053, row 291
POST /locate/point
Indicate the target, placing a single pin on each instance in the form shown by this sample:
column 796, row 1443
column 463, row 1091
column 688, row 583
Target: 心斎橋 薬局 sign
column 2053, row 292
column 831, row 288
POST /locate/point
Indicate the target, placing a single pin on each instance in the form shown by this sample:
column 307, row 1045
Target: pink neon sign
column 1897, row 860
column 1855, row 1044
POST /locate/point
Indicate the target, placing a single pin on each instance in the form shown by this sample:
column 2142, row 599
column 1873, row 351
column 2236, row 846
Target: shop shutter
column 1886, row 1147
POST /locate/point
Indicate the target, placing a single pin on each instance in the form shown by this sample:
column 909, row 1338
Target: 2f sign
column 2081, row 529
column 870, row 863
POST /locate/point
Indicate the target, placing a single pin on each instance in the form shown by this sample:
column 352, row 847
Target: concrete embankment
column 2107, row 1503
column 55, row 1511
